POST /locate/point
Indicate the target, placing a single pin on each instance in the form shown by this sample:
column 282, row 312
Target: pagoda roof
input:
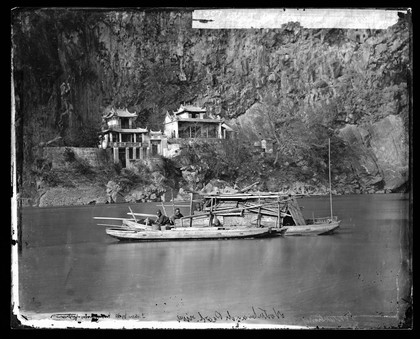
column 155, row 132
column 121, row 113
column 197, row 120
column 190, row 108
column 126, row 130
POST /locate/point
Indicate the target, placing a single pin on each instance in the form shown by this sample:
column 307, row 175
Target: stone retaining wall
column 95, row 157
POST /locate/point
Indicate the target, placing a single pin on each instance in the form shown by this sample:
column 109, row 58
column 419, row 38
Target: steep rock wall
column 382, row 151
column 388, row 144
column 151, row 61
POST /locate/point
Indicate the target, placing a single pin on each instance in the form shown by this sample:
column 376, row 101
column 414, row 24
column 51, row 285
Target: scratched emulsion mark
column 404, row 311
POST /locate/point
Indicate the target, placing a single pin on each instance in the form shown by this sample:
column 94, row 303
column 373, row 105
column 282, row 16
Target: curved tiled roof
column 190, row 108
column 120, row 113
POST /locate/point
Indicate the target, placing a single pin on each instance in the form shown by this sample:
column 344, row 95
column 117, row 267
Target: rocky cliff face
column 382, row 152
column 70, row 65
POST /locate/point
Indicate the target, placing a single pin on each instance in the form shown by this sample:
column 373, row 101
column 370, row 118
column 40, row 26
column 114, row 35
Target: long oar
column 198, row 215
column 135, row 219
column 143, row 214
column 109, row 225
column 111, row 218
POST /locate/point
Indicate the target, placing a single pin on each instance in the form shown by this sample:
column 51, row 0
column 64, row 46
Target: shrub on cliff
column 171, row 172
column 81, row 166
column 128, row 178
column 69, row 155
column 226, row 160
column 51, row 178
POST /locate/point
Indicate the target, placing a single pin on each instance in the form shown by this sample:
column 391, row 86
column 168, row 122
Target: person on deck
column 161, row 219
column 216, row 222
column 288, row 219
column 177, row 215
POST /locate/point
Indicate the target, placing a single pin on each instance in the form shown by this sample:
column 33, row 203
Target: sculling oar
column 109, row 225
column 111, row 218
column 142, row 214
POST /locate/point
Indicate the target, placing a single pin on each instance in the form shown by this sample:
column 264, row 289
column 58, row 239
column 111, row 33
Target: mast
column 329, row 172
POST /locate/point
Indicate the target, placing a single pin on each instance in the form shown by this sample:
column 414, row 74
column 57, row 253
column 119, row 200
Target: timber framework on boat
column 265, row 209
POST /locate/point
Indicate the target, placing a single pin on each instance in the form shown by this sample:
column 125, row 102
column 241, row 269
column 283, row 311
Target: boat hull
column 189, row 233
column 314, row 229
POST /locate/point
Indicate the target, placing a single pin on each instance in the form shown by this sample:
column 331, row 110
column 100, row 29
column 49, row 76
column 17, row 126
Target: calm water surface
column 354, row 278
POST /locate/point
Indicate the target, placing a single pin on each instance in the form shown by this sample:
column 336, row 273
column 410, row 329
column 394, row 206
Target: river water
column 355, row 278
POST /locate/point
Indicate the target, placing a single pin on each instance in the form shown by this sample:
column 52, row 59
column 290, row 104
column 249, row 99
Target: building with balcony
column 192, row 122
column 128, row 141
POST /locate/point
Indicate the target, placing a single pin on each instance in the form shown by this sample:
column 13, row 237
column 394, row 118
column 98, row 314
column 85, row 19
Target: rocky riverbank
column 111, row 193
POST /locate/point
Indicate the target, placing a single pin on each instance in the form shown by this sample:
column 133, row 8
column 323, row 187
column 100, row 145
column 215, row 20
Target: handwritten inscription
column 77, row 317
column 96, row 317
column 257, row 313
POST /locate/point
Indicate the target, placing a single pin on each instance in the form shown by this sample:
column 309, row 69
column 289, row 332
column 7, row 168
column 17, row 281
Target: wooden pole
column 211, row 212
column 135, row 219
column 329, row 171
column 278, row 213
column 173, row 203
column 259, row 217
column 191, row 203
column 164, row 210
column 191, row 207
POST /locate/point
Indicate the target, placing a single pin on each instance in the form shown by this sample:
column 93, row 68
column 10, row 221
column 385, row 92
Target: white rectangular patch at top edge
column 308, row 18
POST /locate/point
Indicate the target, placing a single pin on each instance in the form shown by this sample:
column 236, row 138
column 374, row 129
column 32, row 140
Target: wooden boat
column 132, row 229
column 188, row 233
column 314, row 229
column 241, row 215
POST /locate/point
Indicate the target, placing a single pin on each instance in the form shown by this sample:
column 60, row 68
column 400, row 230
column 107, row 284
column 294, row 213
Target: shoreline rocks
column 63, row 196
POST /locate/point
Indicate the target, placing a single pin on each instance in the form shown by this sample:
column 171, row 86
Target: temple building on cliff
column 128, row 141
column 192, row 122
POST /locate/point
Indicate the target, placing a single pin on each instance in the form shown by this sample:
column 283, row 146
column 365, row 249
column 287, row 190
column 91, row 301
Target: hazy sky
column 309, row 18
